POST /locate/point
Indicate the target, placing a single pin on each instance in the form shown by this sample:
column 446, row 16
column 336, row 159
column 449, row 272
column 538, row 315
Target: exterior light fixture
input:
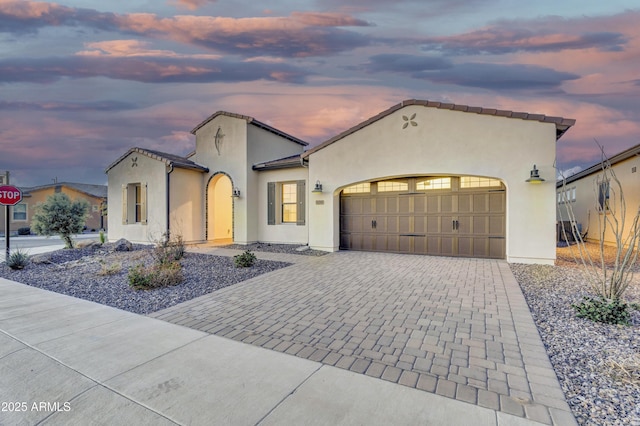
column 235, row 193
column 318, row 187
column 535, row 176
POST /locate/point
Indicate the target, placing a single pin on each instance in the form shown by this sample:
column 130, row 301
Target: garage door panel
column 465, row 246
column 497, row 202
column 496, row 248
column 419, row 204
column 405, row 244
column 496, row 226
column 465, row 204
column 405, row 224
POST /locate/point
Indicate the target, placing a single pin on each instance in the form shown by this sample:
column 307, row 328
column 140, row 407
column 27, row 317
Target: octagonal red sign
column 10, row 195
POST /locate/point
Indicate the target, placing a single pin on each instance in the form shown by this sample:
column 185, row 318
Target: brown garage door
column 449, row 216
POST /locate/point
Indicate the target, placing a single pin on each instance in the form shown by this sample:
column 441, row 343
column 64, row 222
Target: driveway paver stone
column 456, row 327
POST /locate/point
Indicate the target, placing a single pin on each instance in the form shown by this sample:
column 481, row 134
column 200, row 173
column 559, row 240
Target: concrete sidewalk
column 68, row 361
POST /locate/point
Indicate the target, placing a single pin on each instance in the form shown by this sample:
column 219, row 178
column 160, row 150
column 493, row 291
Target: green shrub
column 103, row 237
column 18, row 259
column 59, row 215
column 24, row 231
column 608, row 311
column 244, row 260
column 158, row 275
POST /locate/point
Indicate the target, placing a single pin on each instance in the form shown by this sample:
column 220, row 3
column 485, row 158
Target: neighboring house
column 421, row 177
column 588, row 197
column 22, row 213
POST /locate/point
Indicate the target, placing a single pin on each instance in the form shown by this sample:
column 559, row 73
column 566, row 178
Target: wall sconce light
column 535, row 176
column 318, row 187
column 235, row 193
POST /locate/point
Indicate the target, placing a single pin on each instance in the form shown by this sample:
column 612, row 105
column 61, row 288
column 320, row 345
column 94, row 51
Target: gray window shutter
column 271, row 203
column 300, row 196
column 124, row 204
column 143, row 203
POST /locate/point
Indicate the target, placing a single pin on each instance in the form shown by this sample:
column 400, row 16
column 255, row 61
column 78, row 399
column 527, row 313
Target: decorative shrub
column 112, row 269
column 24, row 231
column 169, row 249
column 158, row 275
column 244, row 260
column 608, row 311
column 103, row 237
column 18, row 259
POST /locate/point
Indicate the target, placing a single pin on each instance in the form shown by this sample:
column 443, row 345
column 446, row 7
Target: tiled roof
column 624, row 155
column 281, row 163
column 250, row 120
column 98, row 191
column 168, row 159
column 562, row 124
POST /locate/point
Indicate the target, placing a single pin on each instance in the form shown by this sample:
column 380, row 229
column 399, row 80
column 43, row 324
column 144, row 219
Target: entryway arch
column 219, row 208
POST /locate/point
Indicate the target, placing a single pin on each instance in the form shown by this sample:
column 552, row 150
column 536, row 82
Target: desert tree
column 59, row 215
column 616, row 221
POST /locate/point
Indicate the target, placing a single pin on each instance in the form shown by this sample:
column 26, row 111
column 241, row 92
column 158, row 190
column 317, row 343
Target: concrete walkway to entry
column 346, row 338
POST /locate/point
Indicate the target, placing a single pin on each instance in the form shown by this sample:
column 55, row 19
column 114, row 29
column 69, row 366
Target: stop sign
column 10, row 195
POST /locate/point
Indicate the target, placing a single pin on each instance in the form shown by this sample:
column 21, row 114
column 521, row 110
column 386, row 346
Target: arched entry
column 438, row 215
column 219, row 209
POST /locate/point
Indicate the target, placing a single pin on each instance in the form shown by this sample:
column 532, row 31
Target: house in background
column 421, row 177
column 95, row 195
column 588, row 196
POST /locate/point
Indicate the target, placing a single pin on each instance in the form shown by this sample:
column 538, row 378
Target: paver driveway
column 457, row 327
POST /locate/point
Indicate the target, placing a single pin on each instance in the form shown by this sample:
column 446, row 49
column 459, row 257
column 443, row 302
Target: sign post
column 9, row 196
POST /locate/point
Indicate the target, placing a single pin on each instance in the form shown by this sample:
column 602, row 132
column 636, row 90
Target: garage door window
column 392, row 186
column 478, row 182
column 435, row 183
column 360, row 188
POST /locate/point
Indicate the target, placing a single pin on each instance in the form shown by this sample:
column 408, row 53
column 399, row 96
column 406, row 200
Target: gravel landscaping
column 82, row 273
column 598, row 365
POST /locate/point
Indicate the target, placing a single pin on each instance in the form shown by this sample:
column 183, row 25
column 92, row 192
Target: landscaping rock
column 41, row 258
column 88, row 244
column 122, row 245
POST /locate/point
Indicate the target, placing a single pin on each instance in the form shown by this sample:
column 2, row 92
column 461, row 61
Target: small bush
column 18, row 259
column 103, row 237
column 244, row 260
column 24, row 231
column 112, row 269
column 169, row 249
column 158, row 275
column 608, row 311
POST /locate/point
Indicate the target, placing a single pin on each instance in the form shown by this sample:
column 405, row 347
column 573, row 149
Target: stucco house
column 421, row 177
column 588, row 196
column 95, row 195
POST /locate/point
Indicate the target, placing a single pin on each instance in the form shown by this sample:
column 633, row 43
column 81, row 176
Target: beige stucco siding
column 287, row 233
column 186, row 199
column 154, row 174
column 264, row 146
column 585, row 207
column 446, row 142
column 231, row 161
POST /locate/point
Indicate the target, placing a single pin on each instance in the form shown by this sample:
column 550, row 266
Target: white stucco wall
column 284, row 233
column 262, row 146
column 149, row 171
column 186, row 198
column 446, row 142
column 243, row 146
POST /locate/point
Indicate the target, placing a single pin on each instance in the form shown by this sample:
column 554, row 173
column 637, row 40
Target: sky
column 82, row 81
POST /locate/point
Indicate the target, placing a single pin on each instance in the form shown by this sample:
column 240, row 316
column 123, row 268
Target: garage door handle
column 455, row 224
column 374, row 224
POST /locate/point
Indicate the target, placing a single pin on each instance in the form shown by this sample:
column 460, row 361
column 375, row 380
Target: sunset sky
column 83, row 81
